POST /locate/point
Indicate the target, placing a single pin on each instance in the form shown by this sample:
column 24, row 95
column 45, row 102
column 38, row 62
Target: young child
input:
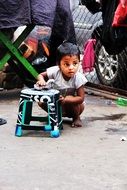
column 68, row 80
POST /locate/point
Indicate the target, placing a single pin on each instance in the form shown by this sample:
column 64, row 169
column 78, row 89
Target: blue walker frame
column 53, row 119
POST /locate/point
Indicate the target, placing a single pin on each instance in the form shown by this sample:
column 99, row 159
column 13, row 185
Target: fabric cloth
column 63, row 25
column 89, row 56
column 120, row 16
column 123, row 2
column 66, row 87
column 55, row 14
column 63, row 29
column 15, row 13
column 114, row 39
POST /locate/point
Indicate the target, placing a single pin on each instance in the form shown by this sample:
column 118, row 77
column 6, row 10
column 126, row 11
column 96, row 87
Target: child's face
column 69, row 65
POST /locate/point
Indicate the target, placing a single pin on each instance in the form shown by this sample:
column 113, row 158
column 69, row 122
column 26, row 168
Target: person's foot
column 76, row 123
column 2, row 121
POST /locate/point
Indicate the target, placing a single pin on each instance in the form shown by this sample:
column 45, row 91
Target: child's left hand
column 66, row 99
column 61, row 99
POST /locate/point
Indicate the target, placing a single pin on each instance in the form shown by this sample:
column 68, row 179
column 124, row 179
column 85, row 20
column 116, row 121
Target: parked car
column 110, row 69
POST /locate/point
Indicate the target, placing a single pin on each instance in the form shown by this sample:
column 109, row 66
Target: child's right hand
column 41, row 81
column 39, row 85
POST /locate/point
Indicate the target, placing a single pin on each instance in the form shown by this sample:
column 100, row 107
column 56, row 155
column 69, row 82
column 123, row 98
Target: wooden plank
column 103, row 93
column 107, row 88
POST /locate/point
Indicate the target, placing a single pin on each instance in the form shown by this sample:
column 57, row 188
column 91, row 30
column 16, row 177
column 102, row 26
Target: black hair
column 67, row 48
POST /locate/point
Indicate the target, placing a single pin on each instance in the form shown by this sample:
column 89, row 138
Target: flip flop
column 2, row 121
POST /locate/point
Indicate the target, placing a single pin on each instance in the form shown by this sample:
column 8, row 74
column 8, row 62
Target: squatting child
column 68, row 80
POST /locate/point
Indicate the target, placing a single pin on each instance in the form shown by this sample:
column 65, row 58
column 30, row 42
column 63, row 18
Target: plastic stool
column 53, row 119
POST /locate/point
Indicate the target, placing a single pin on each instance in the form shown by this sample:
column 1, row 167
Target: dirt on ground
column 93, row 157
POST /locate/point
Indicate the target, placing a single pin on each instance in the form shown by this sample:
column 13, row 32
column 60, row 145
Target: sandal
column 2, row 121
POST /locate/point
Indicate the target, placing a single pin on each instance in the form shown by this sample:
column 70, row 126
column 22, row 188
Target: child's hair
column 67, row 48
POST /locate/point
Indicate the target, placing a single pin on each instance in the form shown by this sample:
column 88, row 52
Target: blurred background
column 99, row 67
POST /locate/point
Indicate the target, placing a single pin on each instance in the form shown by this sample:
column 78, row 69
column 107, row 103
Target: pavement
column 93, row 157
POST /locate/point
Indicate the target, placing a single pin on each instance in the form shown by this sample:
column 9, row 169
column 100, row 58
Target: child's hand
column 61, row 99
column 69, row 98
column 40, row 81
column 66, row 99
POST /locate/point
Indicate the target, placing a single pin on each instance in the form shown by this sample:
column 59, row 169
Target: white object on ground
column 123, row 138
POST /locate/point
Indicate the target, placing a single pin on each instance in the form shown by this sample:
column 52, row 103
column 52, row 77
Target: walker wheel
column 48, row 127
column 18, row 131
column 55, row 133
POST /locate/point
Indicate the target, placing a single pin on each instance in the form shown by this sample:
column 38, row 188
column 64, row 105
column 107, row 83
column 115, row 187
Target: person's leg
column 2, row 121
column 63, row 29
column 43, row 12
column 74, row 112
column 76, row 119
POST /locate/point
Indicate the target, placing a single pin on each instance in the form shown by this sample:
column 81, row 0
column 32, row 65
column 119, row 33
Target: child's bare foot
column 76, row 123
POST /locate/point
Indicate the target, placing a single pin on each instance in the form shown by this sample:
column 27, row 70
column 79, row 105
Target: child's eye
column 75, row 63
column 66, row 64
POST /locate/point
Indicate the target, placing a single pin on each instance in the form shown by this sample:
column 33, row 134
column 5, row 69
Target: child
column 68, row 81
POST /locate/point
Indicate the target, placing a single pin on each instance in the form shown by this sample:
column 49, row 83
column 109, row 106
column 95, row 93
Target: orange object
column 32, row 45
column 44, row 45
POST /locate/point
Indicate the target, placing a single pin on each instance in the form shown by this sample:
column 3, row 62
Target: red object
column 123, row 2
column 89, row 56
column 120, row 16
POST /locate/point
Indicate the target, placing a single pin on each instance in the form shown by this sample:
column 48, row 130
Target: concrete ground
column 89, row 158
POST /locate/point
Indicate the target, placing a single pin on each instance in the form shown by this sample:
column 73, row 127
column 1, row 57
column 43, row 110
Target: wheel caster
column 18, row 131
column 55, row 133
column 48, row 128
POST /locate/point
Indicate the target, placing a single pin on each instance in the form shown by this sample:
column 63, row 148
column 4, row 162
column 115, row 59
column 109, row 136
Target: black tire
column 111, row 69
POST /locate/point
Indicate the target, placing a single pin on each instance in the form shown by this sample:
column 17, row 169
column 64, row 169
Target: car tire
column 111, row 69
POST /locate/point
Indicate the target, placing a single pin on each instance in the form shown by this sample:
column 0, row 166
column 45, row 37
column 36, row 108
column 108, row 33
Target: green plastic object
column 13, row 51
column 121, row 101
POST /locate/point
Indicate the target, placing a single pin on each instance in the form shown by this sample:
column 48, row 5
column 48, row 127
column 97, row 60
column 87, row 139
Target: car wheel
column 111, row 69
